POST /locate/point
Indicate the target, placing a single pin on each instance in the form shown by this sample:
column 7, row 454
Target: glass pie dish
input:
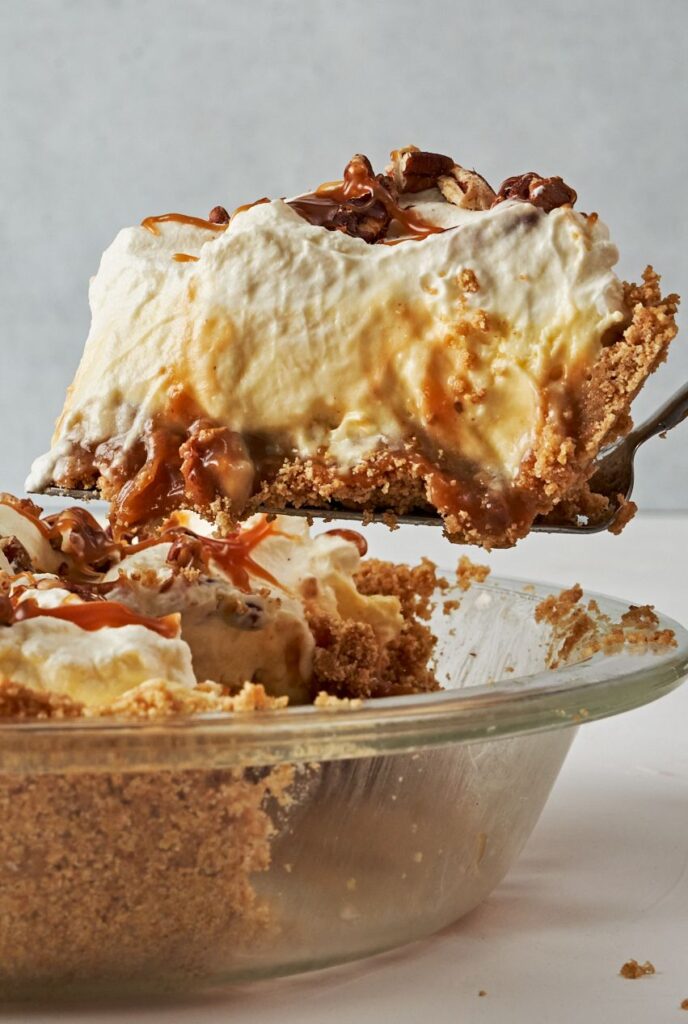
column 168, row 855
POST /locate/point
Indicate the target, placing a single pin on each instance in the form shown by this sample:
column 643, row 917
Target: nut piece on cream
column 399, row 341
column 265, row 604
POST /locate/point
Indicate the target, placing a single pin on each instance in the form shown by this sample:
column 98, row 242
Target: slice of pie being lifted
column 399, row 342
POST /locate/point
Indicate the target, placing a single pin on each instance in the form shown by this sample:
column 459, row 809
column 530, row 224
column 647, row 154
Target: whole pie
column 410, row 341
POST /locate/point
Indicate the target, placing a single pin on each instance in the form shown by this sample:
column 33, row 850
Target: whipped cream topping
column 276, row 327
column 57, row 655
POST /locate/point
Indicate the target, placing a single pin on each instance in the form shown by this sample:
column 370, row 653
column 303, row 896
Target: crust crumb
column 158, row 698
column 583, row 630
column 627, row 510
column 349, row 661
column 632, row 969
column 468, row 573
column 328, row 702
column 22, row 703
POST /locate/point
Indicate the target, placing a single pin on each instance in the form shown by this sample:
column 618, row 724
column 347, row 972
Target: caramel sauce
column 155, row 488
column 94, row 615
column 491, row 507
column 249, row 206
column 232, row 554
column 184, row 459
column 74, row 532
column 353, row 536
column 439, row 405
column 320, row 207
column 184, row 257
column 151, row 223
column 215, row 462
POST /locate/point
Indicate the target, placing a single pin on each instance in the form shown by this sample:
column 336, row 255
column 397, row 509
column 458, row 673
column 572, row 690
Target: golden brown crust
column 21, row 703
column 154, row 699
column 160, row 699
column 107, row 877
column 350, row 661
column 625, row 365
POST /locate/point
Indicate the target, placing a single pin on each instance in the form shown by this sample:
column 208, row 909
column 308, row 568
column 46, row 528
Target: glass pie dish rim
column 552, row 698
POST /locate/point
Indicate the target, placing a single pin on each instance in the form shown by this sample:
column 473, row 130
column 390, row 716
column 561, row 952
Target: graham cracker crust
column 106, row 878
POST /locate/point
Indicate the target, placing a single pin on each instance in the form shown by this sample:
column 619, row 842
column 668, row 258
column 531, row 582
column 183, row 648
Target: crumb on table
column 632, row 969
column 468, row 573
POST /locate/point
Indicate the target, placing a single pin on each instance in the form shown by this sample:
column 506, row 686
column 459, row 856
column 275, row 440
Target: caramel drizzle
column 94, row 615
column 353, row 537
column 318, row 207
column 249, row 206
column 73, row 532
column 151, row 223
column 232, row 554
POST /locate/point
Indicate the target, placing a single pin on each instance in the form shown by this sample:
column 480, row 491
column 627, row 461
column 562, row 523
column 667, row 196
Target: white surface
column 603, row 878
column 110, row 111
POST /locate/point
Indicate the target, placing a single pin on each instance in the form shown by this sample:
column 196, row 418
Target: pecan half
column 466, row 189
column 218, row 215
column 364, row 217
column 16, row 554
column 414, row 170
column 186, row 551
column 546, row 193
column 6, row 611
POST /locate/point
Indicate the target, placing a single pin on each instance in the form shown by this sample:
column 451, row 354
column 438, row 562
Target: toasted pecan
column 414, row 170
column 218, row 215
column 546, row 193
column 466, row 189
column 16, row 554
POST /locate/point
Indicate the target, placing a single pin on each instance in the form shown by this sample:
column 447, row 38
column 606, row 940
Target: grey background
column 115, row 110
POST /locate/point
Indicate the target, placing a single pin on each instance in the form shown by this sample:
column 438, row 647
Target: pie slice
column 400, row 342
